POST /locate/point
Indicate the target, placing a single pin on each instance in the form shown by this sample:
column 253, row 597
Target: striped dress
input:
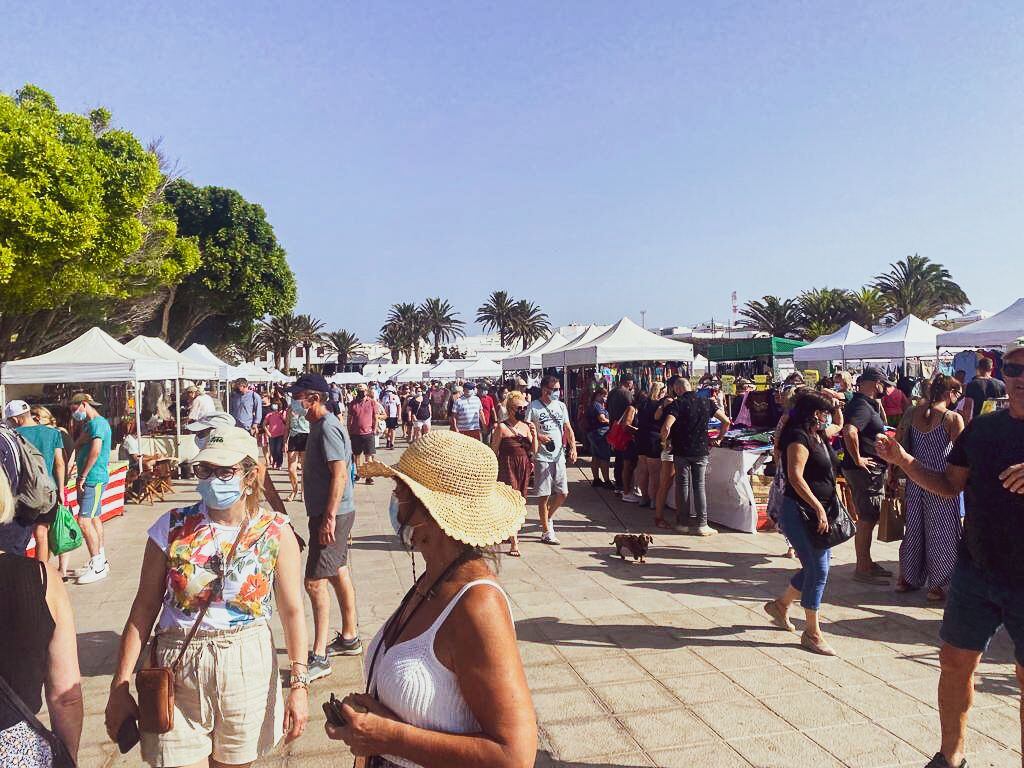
column 929, row 548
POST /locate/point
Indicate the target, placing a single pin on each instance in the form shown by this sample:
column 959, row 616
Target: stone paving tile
column 667, row 729
column 865, row 747
column 571, row 704
column 740, row 717
column 617, row 669
column 812, row 709
column 784, row 751
column 713, row 755
column 573, row 741
column 629, row 698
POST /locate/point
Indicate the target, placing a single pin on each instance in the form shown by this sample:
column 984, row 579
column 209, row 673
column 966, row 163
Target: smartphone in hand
column 127, row 735
column 332, row 710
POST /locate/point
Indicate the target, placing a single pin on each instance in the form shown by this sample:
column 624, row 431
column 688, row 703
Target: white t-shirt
column 550, row 420
column 202, row 406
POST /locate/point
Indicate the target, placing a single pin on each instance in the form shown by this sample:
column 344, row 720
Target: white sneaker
column 704, row 530
column 548, row 537
column 95, row 574
column 632, row 498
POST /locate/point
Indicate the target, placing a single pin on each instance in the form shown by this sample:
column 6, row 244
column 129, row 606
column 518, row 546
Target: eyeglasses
column 205, row 472
column 1013, row 370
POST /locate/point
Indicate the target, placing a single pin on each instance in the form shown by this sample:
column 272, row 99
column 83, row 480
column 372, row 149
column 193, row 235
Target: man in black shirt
column 685, row 433
column 619, row 399
column 864, row 470
column 987, row 590
column 981, row 388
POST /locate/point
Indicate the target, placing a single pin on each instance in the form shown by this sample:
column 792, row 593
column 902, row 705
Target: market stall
column 382, row 371
column 411, row 373
column 993, row 333
column 755, row 357
column 348, row 377
column 832, row 346
column 481, row 368
column 911, row 337
column 444, row 371
column 531, row 358
column 736, row 497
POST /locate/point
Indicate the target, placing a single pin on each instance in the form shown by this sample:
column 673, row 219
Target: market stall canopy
column 750, row 349
column 412, row 373
column 348, row 377
column 833, row 345
column 910, row 337
column 480, row 369
column 626, row 342
column 278, row 377
column 995, row 331
column 700, row 364
column 93, row 356
column 555, row 358
column 381, row 371
column 187, row 367
column 201, row 354
column 444, row 370
column 253, row 372
column 531, row 358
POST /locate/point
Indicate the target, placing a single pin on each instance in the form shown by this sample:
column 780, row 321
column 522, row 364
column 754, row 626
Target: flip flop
column 514, row 553
column 661, row 522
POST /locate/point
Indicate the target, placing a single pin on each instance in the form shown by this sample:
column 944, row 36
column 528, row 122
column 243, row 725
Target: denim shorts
column 90, row 503
column 978, row 603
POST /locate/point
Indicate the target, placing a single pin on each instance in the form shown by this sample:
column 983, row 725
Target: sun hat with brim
column 227, row 447
column 455, row 477
column 216, row 420
column 1015, row 347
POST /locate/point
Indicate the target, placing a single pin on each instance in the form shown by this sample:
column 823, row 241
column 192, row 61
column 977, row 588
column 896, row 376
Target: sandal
column 514, row 553
column 902, row 586
column 936, row 595
column 661, row 522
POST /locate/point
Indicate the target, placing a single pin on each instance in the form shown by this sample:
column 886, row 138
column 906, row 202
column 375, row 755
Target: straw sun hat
column 455, row 477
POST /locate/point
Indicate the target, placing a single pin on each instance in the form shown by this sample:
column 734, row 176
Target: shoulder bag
column 620, row 437
column 155, row 684
column 840, row 524
column 61, row 756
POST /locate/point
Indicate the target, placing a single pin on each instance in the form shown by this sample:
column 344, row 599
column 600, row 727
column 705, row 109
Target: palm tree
column 310, row 333
column 772, row 315
column 280, row 334
column 440, row 318
column 867, row 307
column 496, row 314
column 528, row 323
column 823, row 310
column 249, row 347
column 390, row 337
column 916, row 286
column 342, row 343
column 410, row 327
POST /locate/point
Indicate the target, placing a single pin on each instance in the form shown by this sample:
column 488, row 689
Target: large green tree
column 496, row 314
column 311, row 333
column 442, row 322
column 823, row 310
column 243, row 277
column 528, row 323
column 920, row 287
column 778, row 317
column 343, row 343
column 85, row 236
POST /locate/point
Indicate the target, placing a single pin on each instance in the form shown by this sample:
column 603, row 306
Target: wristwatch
column 300, row 680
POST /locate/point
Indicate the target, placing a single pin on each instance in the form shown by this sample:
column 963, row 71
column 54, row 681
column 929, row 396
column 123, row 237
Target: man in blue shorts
column 92, row 455
column 987, row 590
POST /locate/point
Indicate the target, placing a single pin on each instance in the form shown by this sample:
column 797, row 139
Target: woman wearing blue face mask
column 208, row 571
column 809, row 465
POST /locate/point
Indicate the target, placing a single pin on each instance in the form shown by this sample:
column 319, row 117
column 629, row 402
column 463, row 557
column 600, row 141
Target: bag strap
column 561, row 424
column 202, row 611
column 61, row 757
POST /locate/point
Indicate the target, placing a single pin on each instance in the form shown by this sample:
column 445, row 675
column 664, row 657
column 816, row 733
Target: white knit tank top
column 417, row 687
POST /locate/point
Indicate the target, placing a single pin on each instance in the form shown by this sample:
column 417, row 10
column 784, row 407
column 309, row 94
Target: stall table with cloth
column 112, row 500
column 732, row 498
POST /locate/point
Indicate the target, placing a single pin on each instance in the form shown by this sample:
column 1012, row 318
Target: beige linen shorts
column 228, row 702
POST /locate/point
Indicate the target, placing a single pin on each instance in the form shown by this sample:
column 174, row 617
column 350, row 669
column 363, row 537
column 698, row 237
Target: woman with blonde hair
column 445, row 683
column 648, row 471
column 38, row 653
column 208, row 571
column 514, row 441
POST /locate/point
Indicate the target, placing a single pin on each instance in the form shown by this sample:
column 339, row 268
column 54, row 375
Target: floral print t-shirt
column 190, row 539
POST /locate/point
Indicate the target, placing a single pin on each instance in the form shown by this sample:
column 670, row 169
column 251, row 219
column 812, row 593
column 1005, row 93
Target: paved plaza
column 667, row 664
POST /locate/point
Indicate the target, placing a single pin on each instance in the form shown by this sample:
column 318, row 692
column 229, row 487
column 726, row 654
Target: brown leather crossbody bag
column 155, row 684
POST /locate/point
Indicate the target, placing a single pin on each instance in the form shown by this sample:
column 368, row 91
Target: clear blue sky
column 596, row 157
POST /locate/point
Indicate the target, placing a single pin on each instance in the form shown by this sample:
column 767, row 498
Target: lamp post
column 643, row 319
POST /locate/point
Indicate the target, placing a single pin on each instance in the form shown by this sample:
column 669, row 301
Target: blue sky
column 596, row 157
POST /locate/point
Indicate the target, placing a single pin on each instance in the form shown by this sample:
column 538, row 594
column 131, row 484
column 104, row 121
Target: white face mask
column 402, row 530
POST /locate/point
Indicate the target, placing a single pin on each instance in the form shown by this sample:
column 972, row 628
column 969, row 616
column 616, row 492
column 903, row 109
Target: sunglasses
column 205, row 472
column 1013, row 370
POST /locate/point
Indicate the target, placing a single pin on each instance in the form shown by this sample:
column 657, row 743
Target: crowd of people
column 214, row 571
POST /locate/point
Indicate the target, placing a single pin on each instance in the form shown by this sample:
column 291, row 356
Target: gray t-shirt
column 550, row 420
column 328, row 441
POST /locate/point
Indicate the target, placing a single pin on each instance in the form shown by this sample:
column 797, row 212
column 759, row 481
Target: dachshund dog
column 635, row 543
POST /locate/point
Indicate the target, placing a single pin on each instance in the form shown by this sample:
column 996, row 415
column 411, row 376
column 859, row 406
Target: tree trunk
column 192, row 322
column 165, row 318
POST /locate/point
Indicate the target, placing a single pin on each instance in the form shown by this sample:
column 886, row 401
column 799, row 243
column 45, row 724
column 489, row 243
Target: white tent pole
column 138, row 419
column 177, row 417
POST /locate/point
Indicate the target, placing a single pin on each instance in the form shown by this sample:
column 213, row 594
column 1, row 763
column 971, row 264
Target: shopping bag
column 65, row 535
column 892, row 521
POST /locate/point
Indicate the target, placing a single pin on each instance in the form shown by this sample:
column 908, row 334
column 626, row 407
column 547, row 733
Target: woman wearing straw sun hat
column 445, row 684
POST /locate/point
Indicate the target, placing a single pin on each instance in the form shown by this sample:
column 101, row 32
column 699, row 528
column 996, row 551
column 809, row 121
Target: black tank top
column 26, row 628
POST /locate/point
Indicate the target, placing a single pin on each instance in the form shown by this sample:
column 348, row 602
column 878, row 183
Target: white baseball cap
column 227, row 447
column 15, row 408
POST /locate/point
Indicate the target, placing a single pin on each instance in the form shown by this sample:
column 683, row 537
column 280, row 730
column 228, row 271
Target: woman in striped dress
column 929, row 547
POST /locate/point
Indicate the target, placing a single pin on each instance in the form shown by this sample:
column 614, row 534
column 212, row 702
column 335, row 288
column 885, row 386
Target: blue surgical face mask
column 402, row 531
column 80, row 415
column 220, row 494
column 826, row 423
column 554, row 395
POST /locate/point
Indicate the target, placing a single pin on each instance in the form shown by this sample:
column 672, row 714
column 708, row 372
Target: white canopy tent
column 201, row 354
column 382, row 371
column 910, row 337
column 187, row 367
column 348, row 377
column 277, row 377
column 700, row 364
column 996, row 331
column 411, row 373
column 555, row 358
column 626, row 342
column 832, row 346
column 251, row 372
column 531, row 359
column 479, row 369
column 444, row 370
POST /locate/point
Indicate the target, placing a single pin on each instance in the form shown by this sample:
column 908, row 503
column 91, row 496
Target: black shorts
column 363, row 444
column 323, row 562
column 297, row 442
column 47, row 518
column 391, row 422
column 649, row 445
